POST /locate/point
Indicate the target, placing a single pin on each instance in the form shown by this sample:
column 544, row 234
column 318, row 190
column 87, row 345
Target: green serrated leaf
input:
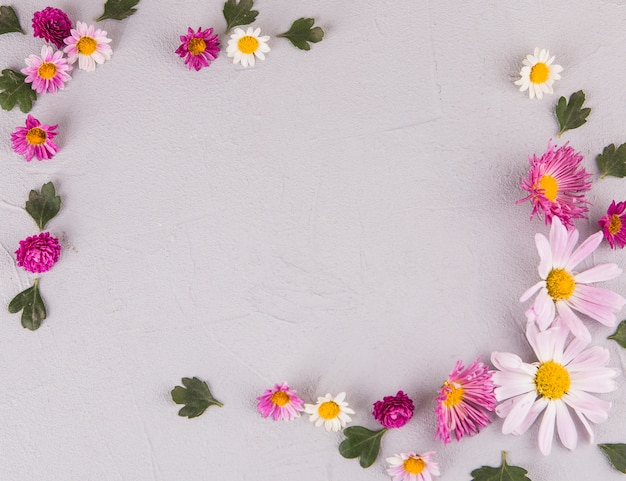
column 43, row 206
column 570, row 114
column 301, row 33
column 118, row 9
column 504, row 472
column 9, row 21
column 195, row 395
column 16, row 90
column 619, row 335
column 616, row 454
column 612, row 161
column 31, row 304
column 361, row 443
column 239, row 13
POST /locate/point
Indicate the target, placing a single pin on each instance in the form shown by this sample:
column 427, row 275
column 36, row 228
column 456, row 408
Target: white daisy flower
column 245, row 46
column 538, row 74
column 412, row 467
column 88, row 45
column 329, row 411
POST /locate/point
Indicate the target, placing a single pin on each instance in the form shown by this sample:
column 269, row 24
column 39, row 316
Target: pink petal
column 595, row 311
column 597, row 380
column 573, row 322
column 593, row 357
column 565, row 426
column 518, row 413
column 599, row 273
column 536, row 409
column 586, row 248
column 545, row 254
column 594, row 409
column 586, row 425
column 546, row 429
column 544, row 309
column 600, row 296
column 558, row 242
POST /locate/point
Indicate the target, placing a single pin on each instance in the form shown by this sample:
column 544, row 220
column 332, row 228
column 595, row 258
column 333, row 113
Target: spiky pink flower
column 281, row 403
column 35, row 140
column 199, row 48
column 464, row 400
column 38, row 253
column 47, row 73
column 412, row 467
column 556, row 185
column 53, row 25
column 614, row 224
column 394, row 411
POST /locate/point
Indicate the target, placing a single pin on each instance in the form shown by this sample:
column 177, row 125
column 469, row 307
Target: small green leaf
column 197, row 397
column 30, row 301
column 301, row 33
column 16, row 90
column 361, row 443
column 613, row 162
column 43, row 206
column 118, row 9
column 239, row 13
column 9, row 21
column 501, row 473
column 571, row 115
column 619, row 335
column 617, row 455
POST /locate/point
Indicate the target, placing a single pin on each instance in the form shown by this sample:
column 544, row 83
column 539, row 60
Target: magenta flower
column 281, row 403
column 38, row 253
column 48, row 73
column 614, row 224
column 53, row 25
column 394, row 411
column 556, row 185
column 198, row 48
column 464, row 400
column 35, row 140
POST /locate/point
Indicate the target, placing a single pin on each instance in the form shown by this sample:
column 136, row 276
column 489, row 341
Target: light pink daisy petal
column 558, row 243
column 529, row 292
column 565, row 426
column 600, row 296
column 538, row 406
column 518, row 413
column 545, row 254
column 573, row 322
column 544, row 309
column 546, row 429
column 593, row 310
column 594, row 409
column 599, row 273
column 587, row 247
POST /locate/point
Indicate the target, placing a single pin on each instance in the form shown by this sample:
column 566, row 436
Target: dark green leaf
column 501, row 473
column 15, row 90
column 620, row 334
column 197, row 397
column 617, row 455
column 239, row 13
column 571, row 115
column 613, row 162
column 361, row 443
column 43, row 206
column 301, row 33
column 118, row 9
column 9, row 21
column 30, row 301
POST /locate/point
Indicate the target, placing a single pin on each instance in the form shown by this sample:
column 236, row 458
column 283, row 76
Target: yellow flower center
column 616, row 224
column 455, row 396
column 414, row 465
column 550, row 187
column 248, row 44
column 280, row 398
column 552, row 380
column 539, row 73
column 36, row 136
column 328, row 410
column 47, row 70
column 560, row 284
column 86, row 45
column 197, row 46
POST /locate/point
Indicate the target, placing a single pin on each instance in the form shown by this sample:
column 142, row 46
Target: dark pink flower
column 614, row 224
column 38, row 253
column 53, row 25
column 35, row 140
column 199, row 48
column 394, row 411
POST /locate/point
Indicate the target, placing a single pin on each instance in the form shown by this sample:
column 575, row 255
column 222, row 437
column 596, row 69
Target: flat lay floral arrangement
column 561, row 390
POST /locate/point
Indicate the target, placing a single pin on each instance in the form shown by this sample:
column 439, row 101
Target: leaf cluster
column 612, row 161
column 9, row 21
column 361, row 443
column 239, row 13
column 14, row 90
column 118, row 9
column 196, row 396
column 616, row 454
column 302, row 32
column 570, row 114
column 31, row 304
column 43, row 206
column 504, row 472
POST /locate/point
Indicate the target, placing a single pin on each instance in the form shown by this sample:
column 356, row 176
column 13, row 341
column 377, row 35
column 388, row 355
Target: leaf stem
column 503, row 458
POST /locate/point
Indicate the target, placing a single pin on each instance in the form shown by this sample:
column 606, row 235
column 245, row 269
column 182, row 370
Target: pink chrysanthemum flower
column 412, row 467
column 47, row 73
column 614, row 224
column 394, row 411
column 53, row 25
column 35, row 140
column 561, row 289
column 38, row 253
column 199, row 48
column 563, row 377
column 464, row 400
column 556, row 184
column 88, row 45
column 281, row 403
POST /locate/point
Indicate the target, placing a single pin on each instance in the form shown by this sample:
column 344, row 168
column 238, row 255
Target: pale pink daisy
column 412, row 467
column 614, row 225
column 47, row 73
column 330, row 411
column 88, row 45
column 563, row 377
column 464, row 400
column 35, row 140
column 281, row 403
column 561, row 289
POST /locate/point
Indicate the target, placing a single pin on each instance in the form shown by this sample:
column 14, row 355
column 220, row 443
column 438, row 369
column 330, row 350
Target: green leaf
column 571, row 115
column 239, row 13
column 617, row 455
column 501, row 473
column 197, row 397
column 15, row 90
column 43, row 206
column 361, row 443
column 9, row 21
column 612, row 162
column 620, row 334
column 301, row 33
column 31, row 304
column 118, row 9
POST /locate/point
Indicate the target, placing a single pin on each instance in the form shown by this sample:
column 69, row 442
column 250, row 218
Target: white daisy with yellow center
column 538, row 74
column 330, row 411
column 245, row 46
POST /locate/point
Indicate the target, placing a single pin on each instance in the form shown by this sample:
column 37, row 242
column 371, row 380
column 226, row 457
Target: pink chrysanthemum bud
column 38, row 253
column 53, row 25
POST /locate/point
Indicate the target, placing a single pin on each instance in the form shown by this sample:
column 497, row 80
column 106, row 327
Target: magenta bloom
column 38, row 253
column 281, row 403
column 556, row 185
column 48, row 73
column 614, row 224
column 199, row 48
column 394, row 411
column 53, row 25
column 35, row 140
column 464, row 400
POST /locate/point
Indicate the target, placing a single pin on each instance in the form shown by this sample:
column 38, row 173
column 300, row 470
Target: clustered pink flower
column 53, row 25
column 35, row 140
column 394, row 411
column 38, row 253
column 199, row 48
column 614, row 225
